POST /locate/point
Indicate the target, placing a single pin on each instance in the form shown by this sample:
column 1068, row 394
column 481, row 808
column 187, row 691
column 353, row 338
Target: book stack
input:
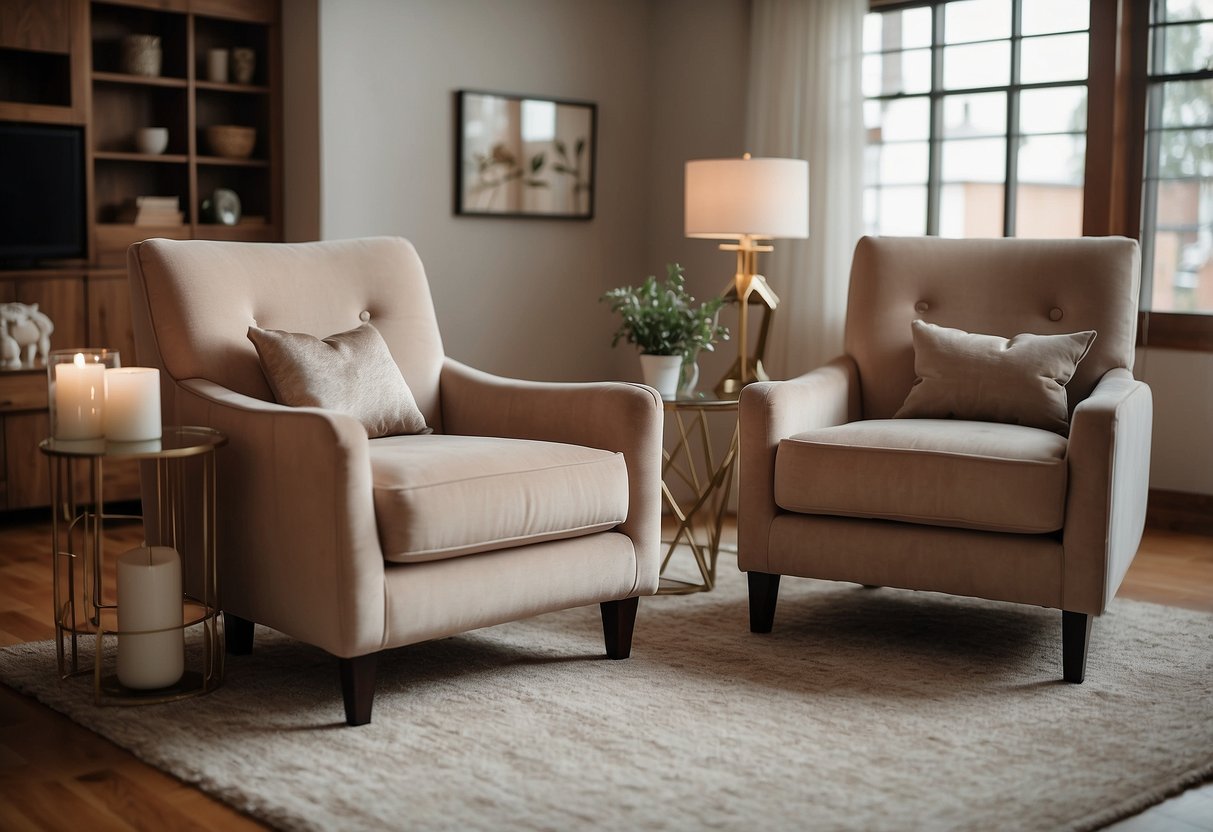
column 152, row 210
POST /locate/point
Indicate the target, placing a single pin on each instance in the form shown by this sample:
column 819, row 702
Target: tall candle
column 149, row 598
column 79, row 399
column 132, row 404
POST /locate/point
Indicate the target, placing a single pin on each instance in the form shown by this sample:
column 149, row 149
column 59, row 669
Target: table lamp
column 749, row 201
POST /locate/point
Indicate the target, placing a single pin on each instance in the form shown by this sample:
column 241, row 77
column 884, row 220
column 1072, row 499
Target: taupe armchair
column 833, row 487
column 528, row 497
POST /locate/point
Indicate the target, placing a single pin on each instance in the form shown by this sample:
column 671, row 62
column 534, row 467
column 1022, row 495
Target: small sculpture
column 25, row 336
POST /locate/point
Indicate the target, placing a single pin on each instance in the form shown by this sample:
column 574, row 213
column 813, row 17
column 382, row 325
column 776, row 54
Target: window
column 1177, row 195
column 976, row 116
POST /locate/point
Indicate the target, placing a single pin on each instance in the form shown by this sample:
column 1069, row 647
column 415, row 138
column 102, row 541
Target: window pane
column 1053, row 110
column 899, row 120
column 909, row 29
column 1184, row 204
column 1052, row 160
column 897, row 72
column 871, row 211
column 1183, row 265
column 1186, row 48
column 1186, row 104
column 902, row 164
column 1048, row 210
column 1054, row 58
column 977, row 65
column 971, row 209
column 902, row 211
column 1040, row 17
column 970, row 20
column 966, row 116
column 1188, row 10
column 975, row 160
column 1185, row 153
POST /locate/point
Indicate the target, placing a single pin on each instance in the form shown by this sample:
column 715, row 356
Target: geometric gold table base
column 700, row 516
column 84, row 584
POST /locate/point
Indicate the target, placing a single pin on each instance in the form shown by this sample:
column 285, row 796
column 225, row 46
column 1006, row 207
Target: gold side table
column 692, row 464
column 182, row 463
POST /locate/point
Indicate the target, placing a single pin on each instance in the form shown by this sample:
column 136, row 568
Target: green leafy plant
column 662, row 318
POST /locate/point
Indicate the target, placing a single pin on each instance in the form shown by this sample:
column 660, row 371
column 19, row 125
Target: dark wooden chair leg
column 358, row 687
column 237, row 634
column 764, row 593
column 1075, row 635
column 618, row 623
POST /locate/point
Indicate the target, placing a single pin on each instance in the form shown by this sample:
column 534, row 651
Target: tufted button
column 365, row 316
column 1054, row 314
column 921, row 307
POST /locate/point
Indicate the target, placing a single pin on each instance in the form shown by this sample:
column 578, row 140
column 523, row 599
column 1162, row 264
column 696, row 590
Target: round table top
column 699, row 400
column 175, row 442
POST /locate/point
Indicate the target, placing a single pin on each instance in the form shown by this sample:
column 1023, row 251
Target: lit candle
column 149, row 598
column 79, row 399
column 132, row 404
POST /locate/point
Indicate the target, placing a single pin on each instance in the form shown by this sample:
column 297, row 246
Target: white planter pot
column 661, row 372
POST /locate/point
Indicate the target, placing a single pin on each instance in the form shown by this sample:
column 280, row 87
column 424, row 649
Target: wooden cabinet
column 61, row 62
column 90, row 307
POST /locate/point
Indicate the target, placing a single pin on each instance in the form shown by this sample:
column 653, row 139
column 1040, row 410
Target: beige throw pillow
column 1020, row 381
column 352, row 372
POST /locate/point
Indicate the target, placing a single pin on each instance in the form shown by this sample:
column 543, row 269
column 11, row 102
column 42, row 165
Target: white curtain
column 805, row 101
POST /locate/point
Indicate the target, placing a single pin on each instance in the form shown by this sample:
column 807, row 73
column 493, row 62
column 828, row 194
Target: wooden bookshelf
column 61, row 63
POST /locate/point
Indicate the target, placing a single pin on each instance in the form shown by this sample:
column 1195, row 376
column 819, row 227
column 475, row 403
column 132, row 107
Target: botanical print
column 525, row 156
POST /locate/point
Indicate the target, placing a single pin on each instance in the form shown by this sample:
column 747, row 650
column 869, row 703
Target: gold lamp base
column 747, row 289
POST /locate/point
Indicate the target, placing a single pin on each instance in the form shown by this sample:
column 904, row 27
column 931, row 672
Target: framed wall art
column 524, row 156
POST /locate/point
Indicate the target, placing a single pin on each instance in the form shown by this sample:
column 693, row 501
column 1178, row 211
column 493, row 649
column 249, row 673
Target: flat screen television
column 41, row 193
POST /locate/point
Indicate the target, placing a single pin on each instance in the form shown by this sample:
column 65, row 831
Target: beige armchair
column 832, row 487
column 528, row 497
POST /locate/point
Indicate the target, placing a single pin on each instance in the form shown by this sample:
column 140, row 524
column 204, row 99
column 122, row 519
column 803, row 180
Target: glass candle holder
column 76, row 391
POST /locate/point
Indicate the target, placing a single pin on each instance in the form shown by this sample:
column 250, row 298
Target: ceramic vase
column 662, row 372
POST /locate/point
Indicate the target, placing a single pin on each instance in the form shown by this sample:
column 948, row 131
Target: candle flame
column 79, row 359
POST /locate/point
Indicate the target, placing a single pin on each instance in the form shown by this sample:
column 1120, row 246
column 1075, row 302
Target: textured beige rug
column 865, row 709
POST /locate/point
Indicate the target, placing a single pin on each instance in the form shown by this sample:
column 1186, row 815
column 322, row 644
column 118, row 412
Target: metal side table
column 182, row 463
column 693, row 465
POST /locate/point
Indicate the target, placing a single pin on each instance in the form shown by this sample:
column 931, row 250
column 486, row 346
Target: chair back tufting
column 1000, row 287
column 194, row 300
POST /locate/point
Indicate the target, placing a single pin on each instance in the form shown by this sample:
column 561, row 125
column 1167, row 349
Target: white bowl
column 152, row 140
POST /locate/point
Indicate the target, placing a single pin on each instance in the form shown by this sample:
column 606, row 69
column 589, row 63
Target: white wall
column 517, row 297
column 1181, row 457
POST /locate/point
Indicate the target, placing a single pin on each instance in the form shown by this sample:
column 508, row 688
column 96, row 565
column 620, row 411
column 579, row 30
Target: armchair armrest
column 613, row 416
column 296, row 483
column 770, row 412
column 1109, row 469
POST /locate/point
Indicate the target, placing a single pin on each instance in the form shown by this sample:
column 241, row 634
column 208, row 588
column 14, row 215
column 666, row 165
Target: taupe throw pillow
column 352, row 372
column 1020, row 381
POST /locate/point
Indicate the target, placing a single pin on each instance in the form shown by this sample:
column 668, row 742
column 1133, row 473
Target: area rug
column 864, row 709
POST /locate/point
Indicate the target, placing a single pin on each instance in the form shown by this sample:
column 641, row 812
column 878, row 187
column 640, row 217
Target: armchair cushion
column 1021, row 380
column 442, row 496
column 352, row 372
column 974, row 475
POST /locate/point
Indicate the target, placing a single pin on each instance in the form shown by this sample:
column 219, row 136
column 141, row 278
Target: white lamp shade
column 729, row 198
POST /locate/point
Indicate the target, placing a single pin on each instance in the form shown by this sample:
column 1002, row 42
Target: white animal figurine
column 25, row 335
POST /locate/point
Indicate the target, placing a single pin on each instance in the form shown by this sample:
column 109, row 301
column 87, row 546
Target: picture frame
column 524, row 156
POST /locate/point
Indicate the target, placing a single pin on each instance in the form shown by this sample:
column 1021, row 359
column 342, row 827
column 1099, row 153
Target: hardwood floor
column 57, row 775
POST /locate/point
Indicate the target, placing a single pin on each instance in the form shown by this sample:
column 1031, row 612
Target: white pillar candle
column 149, row 598
column 79, row 399
column 132, row 404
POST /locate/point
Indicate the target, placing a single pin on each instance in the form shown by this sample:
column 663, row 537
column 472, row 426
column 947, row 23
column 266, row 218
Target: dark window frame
column 1113, row 183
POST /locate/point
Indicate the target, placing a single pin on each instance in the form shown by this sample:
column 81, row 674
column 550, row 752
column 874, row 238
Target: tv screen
column 41, row 193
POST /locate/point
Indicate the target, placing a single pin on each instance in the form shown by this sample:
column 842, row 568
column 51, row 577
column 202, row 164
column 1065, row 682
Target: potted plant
column 662, row 320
